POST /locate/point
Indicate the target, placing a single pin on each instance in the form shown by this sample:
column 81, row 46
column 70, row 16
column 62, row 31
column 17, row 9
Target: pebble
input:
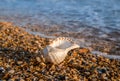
column 19, row 62
column 11, row 71
column 38, row 59
column 2, row 70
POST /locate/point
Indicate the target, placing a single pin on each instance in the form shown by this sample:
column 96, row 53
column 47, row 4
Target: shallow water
column 90, row 20
column 71, row 13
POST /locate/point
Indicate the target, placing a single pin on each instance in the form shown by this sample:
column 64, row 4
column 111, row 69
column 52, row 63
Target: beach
column 21, row 59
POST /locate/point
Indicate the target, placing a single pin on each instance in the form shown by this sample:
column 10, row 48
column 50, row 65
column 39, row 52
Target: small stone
column 75, row 53
column 2, row 70
column 41, row 80
column 75, row 77
column 38, row 59
column 21, row 79
column 19, row 62
column 84, row 50
column 61, row 77
column 52, row 67
column 87, row 73
column 11, row 71
column 7, row 65
column 103, row 76
column 94, row 60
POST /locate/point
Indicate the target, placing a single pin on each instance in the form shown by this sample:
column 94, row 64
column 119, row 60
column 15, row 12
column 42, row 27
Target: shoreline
column 25, row 61
column 87, row 37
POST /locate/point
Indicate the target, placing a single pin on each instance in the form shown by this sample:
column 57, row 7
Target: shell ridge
column 55, row 59
column 64, row 38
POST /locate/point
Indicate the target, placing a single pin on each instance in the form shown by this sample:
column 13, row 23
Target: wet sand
column 21, row 59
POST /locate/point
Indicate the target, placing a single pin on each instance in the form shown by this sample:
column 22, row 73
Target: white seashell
column 57, row 51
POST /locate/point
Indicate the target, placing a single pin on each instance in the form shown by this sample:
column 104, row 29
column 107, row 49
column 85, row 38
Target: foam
column 106, row 55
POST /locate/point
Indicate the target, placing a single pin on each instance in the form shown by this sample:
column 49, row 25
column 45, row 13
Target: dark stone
column 61, row 77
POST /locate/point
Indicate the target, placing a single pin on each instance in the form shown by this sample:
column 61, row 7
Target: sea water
column 98, row 13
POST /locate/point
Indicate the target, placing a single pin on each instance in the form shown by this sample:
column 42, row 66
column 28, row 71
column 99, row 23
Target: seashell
column 57, row 51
